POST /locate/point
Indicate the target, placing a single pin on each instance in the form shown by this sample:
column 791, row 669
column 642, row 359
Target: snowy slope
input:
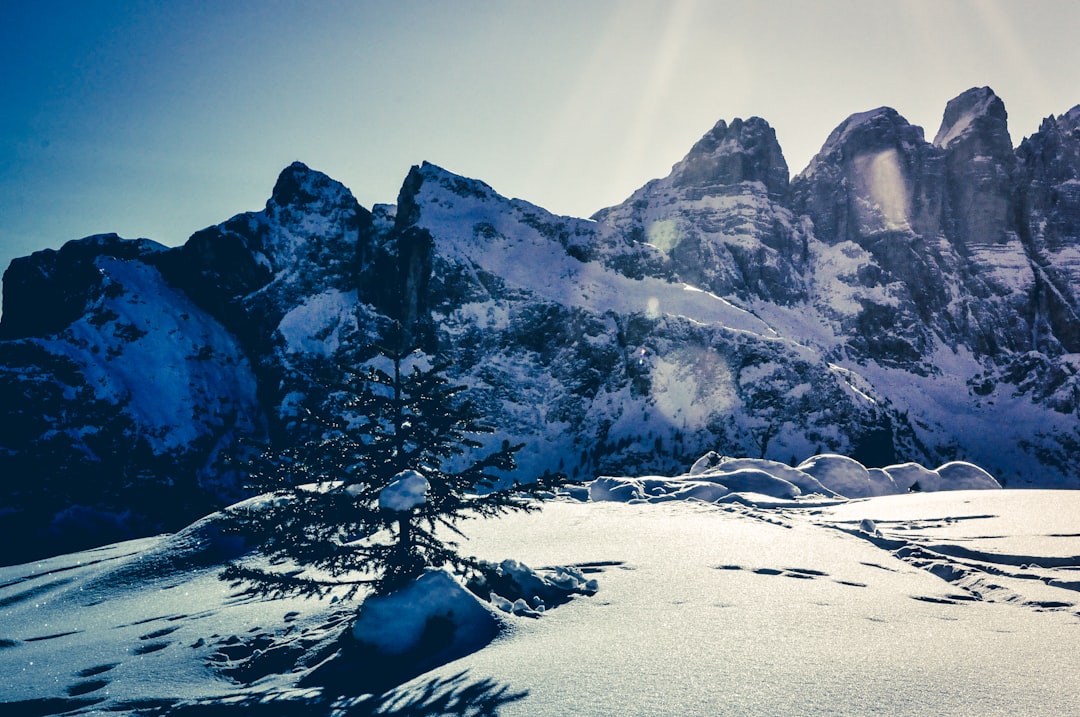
column 577, row 344
column 755, row 612
column 951, row 603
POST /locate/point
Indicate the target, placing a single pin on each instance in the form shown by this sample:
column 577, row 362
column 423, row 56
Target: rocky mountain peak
column 1071, row 119
column 864, row 134
column 310, row 217
column 744, row 151
column 976, row 112
column 298, row 186
column 46, row 291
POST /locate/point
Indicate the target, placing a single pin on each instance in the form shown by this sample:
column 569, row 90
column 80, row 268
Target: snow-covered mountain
column 899, row 300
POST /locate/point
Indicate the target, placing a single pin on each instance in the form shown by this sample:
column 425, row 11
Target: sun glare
column 886, row 190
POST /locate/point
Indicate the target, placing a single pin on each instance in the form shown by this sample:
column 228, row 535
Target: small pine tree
column 322, row 523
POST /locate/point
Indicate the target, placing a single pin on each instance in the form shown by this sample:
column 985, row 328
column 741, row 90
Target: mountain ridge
column 892, row 302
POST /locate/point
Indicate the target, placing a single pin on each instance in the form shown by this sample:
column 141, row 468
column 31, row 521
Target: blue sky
column 156, row 119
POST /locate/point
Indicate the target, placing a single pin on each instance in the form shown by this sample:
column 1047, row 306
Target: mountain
column 898, row 300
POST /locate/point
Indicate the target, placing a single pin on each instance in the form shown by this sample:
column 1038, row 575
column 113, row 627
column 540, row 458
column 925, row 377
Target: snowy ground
column 951, row 603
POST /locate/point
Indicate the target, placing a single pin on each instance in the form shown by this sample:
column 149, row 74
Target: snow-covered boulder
column 848, row 477
column 804, row 481
column 708, row 492
column 654, row 490
column 754, row 480
column 514, row 587
column 428, row 623
column 708, row 462
column 878, row 476
column 912, row 476
column 960, row 475
column 709, row 486
column 713, row 478
column 616, row 490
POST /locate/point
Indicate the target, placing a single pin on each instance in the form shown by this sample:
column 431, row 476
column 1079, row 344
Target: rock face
column 899, row 300
column 118, row 416
column 719, row 219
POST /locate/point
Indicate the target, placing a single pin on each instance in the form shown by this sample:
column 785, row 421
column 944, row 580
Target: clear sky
column 156, row 119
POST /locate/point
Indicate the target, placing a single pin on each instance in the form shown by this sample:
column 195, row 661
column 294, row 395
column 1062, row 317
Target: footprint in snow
column 83, row 688
column 92, row 671
column 159, row 633
column 151, row 647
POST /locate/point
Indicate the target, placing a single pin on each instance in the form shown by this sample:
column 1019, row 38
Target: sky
column 157, row 119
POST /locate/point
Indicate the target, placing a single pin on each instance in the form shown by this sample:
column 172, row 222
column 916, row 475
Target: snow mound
column 714, row 478
column 848, row 477
column 408, row 490
column 399, row 623
column 429, row 622
column 516, row 588
column 756, row 480
column 804, row 481
column 652, row 490
column 960, row 475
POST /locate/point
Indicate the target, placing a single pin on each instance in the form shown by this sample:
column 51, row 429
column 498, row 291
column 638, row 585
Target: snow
column 713, row 478
column 848, row 477
column 737, row 610
column 512, row 253
column 314, row 326
column 408, row 490
column 947, row 603
column 960, row 125
column 200, row 374
column 957, row 129
column 395, row 624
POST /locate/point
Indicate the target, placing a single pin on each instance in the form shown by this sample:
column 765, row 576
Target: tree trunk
column 404, row 533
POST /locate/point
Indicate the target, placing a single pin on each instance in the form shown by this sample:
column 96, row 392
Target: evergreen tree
column 333, row 513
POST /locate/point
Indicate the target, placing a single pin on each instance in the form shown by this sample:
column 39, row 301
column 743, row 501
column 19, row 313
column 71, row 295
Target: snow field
column 742, row 611
column 947, row 603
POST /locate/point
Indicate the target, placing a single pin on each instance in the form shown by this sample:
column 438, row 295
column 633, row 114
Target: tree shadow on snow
column 455, row 695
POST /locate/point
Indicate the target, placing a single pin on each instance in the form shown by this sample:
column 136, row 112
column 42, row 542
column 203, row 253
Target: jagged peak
column 1065, row 123
column 46, row 291
column 457, row 183
column 732, row 134
column 299, row 185
column 86, row 249
column 1071, row 119
column 745, row 150
column 427, row 173
column 871, row 129
column 871, row 120
column 975, row 108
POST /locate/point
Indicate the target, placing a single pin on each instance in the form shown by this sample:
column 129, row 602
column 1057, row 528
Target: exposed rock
column 48, row 290
column 719, row 217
